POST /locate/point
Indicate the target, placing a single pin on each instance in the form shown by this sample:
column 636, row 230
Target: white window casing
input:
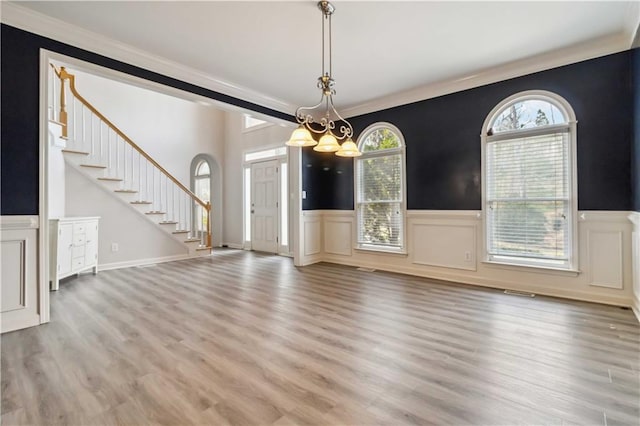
column 380, row 189
column 529, row 190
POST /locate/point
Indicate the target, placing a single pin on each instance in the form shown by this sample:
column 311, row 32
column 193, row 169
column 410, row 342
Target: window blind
column 527, row 195
column 380, row 200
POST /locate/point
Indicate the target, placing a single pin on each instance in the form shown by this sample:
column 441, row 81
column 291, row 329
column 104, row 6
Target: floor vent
column 366, row 269
column 519, row 293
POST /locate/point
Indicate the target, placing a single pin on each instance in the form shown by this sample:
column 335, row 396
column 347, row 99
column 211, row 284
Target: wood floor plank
column 241, row 338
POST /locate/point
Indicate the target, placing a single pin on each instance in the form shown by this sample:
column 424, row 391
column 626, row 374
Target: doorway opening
column 266, row 201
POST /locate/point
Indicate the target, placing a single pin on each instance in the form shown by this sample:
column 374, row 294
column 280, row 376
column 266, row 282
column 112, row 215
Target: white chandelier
column 325, row 124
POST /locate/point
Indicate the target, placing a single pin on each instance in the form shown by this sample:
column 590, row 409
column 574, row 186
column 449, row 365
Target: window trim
column 571, row 127
column 246, row 129
column 401, row 150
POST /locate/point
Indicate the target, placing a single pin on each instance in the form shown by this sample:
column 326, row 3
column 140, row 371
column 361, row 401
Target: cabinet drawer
column 79, row 239
column 77, row 263
column 79, row 227
column 77, row 252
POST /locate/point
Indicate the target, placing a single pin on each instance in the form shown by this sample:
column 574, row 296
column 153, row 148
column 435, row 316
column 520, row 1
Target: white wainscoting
column 605, row 258
column 19, row 300
column 338, row 234
column 312, row 237
column 634, row 217
column 447, row 245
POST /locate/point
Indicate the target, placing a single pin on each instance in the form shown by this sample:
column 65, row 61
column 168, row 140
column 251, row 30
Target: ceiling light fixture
column 326, row 124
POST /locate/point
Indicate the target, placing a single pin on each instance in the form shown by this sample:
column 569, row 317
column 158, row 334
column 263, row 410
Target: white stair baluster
column 109, row 152
column 100, row 140
column 124, row 162
column 82, row 123
column 52, row 96
column 74, row 124
column 93, row 152
column 139, row 177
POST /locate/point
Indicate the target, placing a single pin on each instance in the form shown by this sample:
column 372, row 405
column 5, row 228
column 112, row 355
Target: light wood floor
column 244, row 338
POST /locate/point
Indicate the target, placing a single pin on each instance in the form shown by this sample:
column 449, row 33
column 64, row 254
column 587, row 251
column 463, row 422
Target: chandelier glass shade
column 323, row 118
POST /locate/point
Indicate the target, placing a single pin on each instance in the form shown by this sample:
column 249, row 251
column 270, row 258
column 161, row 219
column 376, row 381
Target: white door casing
column 264, row 206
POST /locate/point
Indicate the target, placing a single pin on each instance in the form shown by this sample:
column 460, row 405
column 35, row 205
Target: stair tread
column 191, row 240
column 73, row 151
column 95, row 166
column 128, row 191
column 204, row 248
column 180, row 232
column 168, row 222
column 142, row 202
column 154, row 212
column 110, row 179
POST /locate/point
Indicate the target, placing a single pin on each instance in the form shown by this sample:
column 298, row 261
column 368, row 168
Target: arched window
column 202, row 181
column 529, row 184
column 380, row 188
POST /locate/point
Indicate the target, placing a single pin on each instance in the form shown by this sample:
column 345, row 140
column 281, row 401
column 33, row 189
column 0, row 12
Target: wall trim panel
column 614, row 226
column 634, row 217
column 605, row 258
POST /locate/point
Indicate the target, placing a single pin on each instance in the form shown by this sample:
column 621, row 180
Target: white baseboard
column 446, row 258
column 483, row 282
column 233, row 246
column 143, row 262
column 636, row 307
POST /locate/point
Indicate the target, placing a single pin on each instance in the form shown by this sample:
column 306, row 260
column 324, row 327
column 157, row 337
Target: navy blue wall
column 20, row 74
column 635, row 170
column 442, row 136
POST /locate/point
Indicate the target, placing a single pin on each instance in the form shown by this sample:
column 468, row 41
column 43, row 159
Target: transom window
column 380, row 188
column 529, row 185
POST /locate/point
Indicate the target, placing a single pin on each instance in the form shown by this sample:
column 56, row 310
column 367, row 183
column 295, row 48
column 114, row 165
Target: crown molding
column 35, row 22
column 29, row 20
column 576, row 53
column 632, row 24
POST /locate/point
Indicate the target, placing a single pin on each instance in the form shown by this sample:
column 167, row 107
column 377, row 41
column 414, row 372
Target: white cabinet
column 74, row 247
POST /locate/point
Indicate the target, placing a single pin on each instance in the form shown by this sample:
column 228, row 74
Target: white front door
column 264, row 206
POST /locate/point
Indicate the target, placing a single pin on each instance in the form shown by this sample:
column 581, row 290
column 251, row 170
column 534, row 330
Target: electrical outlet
column 114, row 247
column 467, row 256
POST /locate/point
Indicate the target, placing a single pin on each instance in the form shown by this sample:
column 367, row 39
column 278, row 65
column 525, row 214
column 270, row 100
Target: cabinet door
column 65, row 245
column 91, row 247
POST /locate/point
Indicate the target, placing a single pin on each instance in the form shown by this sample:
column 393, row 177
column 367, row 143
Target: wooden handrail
column 64, row 75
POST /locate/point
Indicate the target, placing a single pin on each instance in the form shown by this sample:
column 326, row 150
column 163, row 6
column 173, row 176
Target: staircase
column 101, row 151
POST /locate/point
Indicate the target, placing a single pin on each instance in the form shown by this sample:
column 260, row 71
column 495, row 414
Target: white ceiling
column 380, row 48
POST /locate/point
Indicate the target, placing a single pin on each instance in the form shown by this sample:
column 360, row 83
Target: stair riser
column 128, row 197
column 142, row 208
column 75, row 158
column 168, row 227
column 93, row 172
column 157, row 218
column 112, row 185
